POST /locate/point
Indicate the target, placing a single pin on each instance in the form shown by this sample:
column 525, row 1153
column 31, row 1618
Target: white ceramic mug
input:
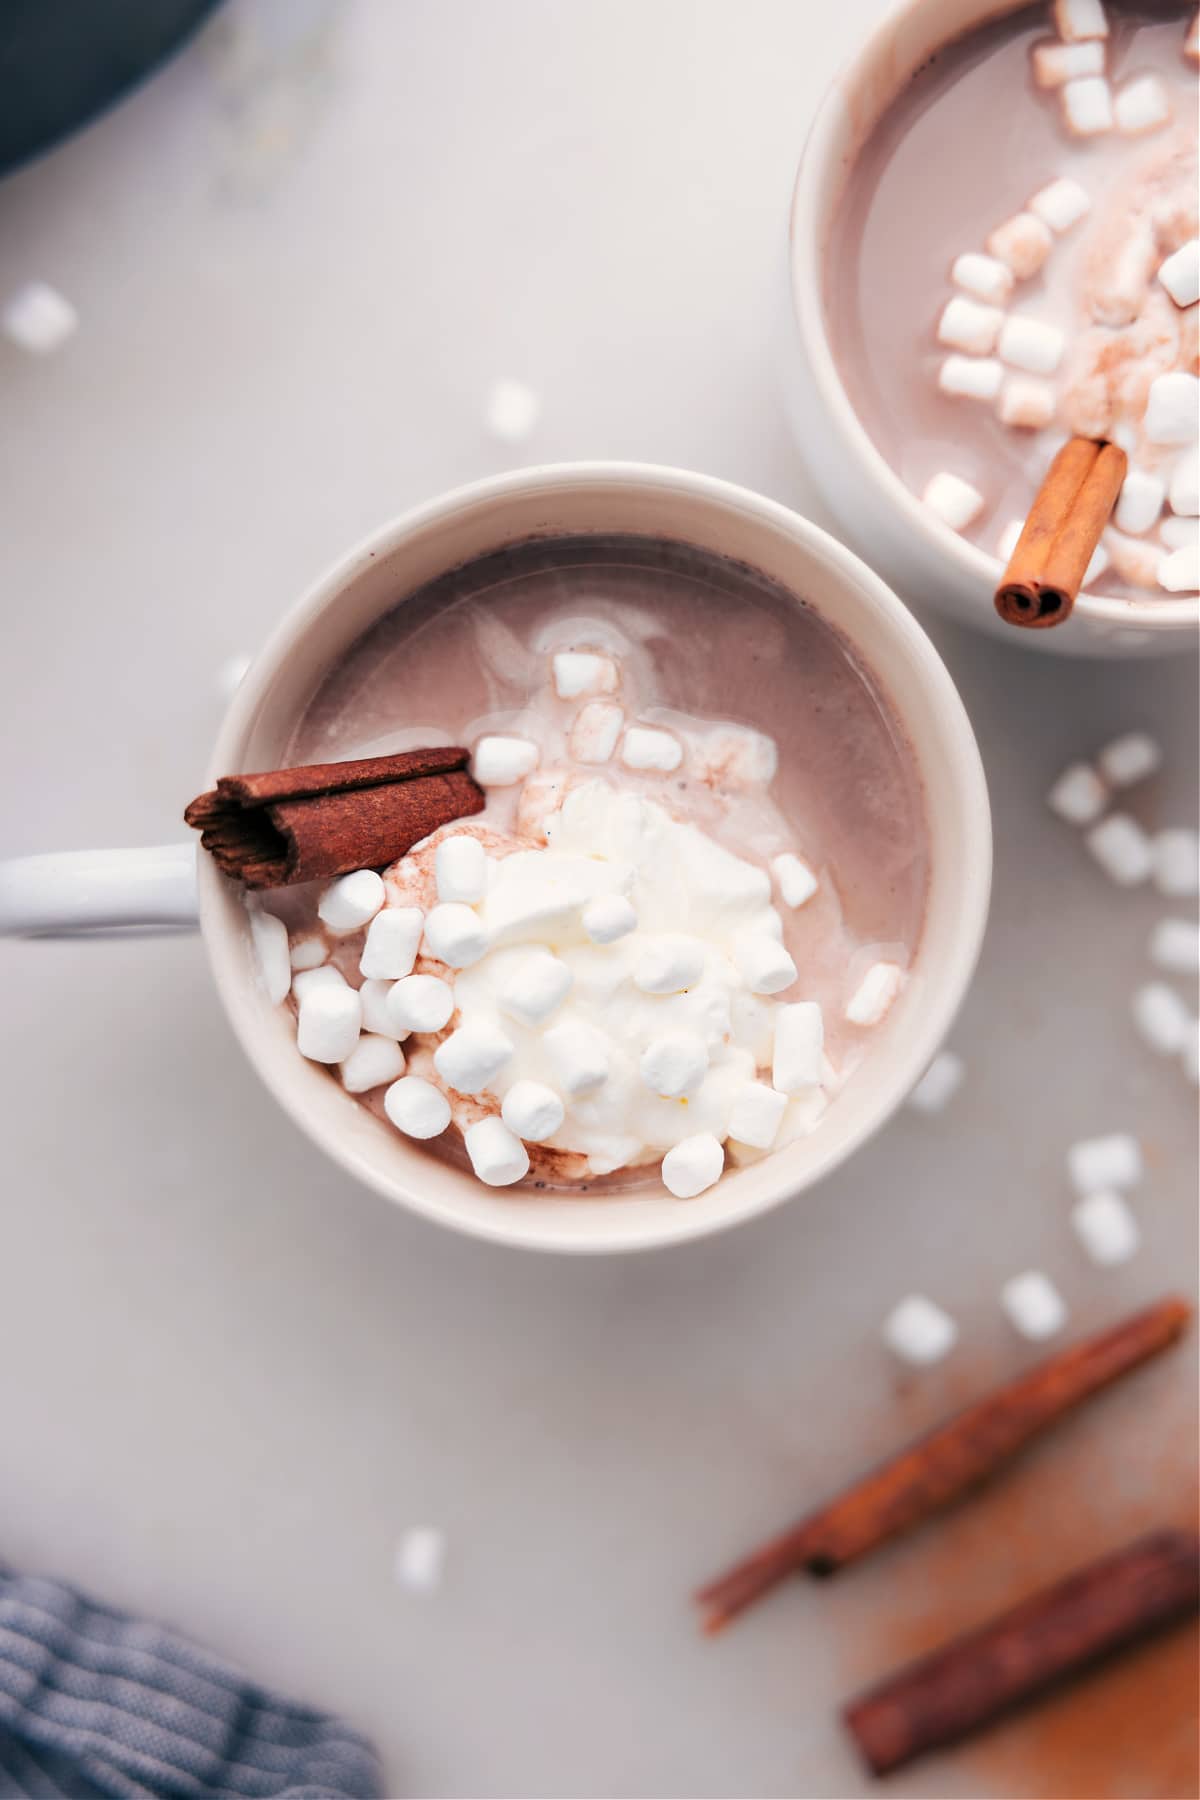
column 874, row 508
column 158, row 887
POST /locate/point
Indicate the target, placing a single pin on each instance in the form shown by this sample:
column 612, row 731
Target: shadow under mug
column 168, row 888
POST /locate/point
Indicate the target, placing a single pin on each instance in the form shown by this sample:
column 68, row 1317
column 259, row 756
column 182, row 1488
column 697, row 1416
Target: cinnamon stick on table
column 1056, row 1633
column 1046, row 570
column 951, row 1460
column 325, row 819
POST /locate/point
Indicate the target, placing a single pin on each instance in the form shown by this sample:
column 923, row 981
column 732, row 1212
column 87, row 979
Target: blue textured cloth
column 94, row 1703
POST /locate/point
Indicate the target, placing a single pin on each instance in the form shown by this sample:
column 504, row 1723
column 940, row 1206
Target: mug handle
column 73, row 892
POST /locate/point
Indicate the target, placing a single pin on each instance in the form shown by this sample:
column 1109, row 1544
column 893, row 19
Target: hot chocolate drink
column 693, row 894
column 1016, row 261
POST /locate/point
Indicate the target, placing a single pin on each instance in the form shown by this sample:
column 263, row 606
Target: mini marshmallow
column 417, row 1108
column 1179, row 570
column 1031, row 344
column 270, row 939
column 580, row 1055
column 419, row 1557
column 796, row 881
column 1097, row 563
column 645, row 748
column 1178, row 533
column 309, row 952
column 1062, row 203
column 1176, row 862
column 497, row 1157
column 1106, row 1228
column 1034, row 1305
column 955, row 501
column 756, row 1115
column 1129, row 758
column 1087, row 106
column 1140, row 501
column 1105, row 1162
column 919, row 1332
column 939, row 1084
column 1161, row 1018
column 1023, row 243
column 391, row 943
column 1026, row 402
column 1171, row 409
column 327, row 1022
column 975, row 377
column 532, row 1111
column 763, row 963
column 967, row 325
column 1141, row 105
column 503, row 761
column 579, row 672
column 1053, row 64
column 1121, row 284
column 1175, row 946
column 1009, row 538
column 39, row 319
column 874, row 993
column 373, row 1062
column 348, row 903
column 512, row 410
column 306, row 981
column 420, row 1003
column 455, row 934
column 1122, row 849
column 1184, row 488
column 1180, row 273
column 461, row 867
column 798, row 1057
column 472, row 1056
column 984, row 277
column 595, row 732
column 674, row 1065
column 1078, row 796
column 535, row 982
column 376, row 1016
column 1075, row 20
column 694, row 1164
column 607, row 918
column 669, row 964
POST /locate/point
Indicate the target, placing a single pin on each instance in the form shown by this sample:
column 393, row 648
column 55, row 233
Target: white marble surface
column 229, row 1380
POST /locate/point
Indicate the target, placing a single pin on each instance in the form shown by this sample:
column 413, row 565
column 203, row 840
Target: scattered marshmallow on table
column 799, row 1046
column 39, row 319
column 417, row 1108
column 270, row 939
column 1183, row 490
column 1031, row 344
column 376, row 1013
column 1078, row 796
column 503, row 761
column 348, row 903
column 1053, row 64
column 796, row 882
column 763, row 963
column 644, row 747
column 512, row 410
column 954, row 500
column 1033, row 1304
column 875, row 993
column 1087, row 106
column 607, row 918
column 694, row 1164
column 1078, row 19
column 420, row 1003
column 674, row 1064
column 1061, row 204
column 1130, row 758
column 420, row 1556
column 973, row 377
column 1122, row 849
column 1179, row 570
column 472, row 1056
column 1161, row 1018
column 1023, row 243
column 580, row 1054
column 1106, row 1227
column 328, row 1020
column 533, row 984
column 595, row 733
column 1140, row 501
column 918, row 1331
column 497, row 1157
column 1114, row 1161
column 532, row 1111
column 1176, row 854
column 969, row 325
column 983, row 277
column 1175, row 946
column 309, row 951
column 373, row 1062
column 1171, row 409
column 669, row 964
column 1141, row 105
column 455, row 934
column 580, row 672
column 939, row 1084
column 460, row 865
column 1180, row 273
column 390, row 948
column 756, row 1115
column 1026, row 402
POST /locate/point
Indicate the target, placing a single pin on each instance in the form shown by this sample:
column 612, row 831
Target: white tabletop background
column 229, row 1379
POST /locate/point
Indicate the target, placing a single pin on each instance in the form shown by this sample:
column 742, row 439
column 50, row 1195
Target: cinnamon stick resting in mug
column 951, row 1460
column 325, row 819
column 1056, row 1633
column 1059, row 537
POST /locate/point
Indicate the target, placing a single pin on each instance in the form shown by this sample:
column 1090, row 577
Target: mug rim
column 820, row 163
column 521, row 1227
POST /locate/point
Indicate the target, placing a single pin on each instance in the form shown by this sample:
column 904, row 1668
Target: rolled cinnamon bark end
column 1060, row 535
column 1057, row 1633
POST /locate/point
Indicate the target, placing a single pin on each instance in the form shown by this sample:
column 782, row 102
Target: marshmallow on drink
column 391, row 944
column 417, row 1108
column 1087, row 106
column 532, row 1111
column 503, row 761
column 455, row 935
column 1140, row 501
column 983, row 277
column 643, row 747
column 595, row 733
column 694, row 1164
column 1078, row 20
column 373, row 1062
column 348, row 903
column 580, row 672
column 1054, row 64
column 954, row 500
column 1061, row 204
column 497, row 1157
column 796, row 881
column 328, row 1020
column 1180, row 273
column 1141, row 105
column 874, row 995
column 975, row 377
column 461, row 869
column 1022, row 242
column 968, row 325
column 270, row 939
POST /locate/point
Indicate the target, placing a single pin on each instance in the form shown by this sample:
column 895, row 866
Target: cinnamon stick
column 1058, row 1632
column 325, row 819
column 1046, row 570
column 951, row 1460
